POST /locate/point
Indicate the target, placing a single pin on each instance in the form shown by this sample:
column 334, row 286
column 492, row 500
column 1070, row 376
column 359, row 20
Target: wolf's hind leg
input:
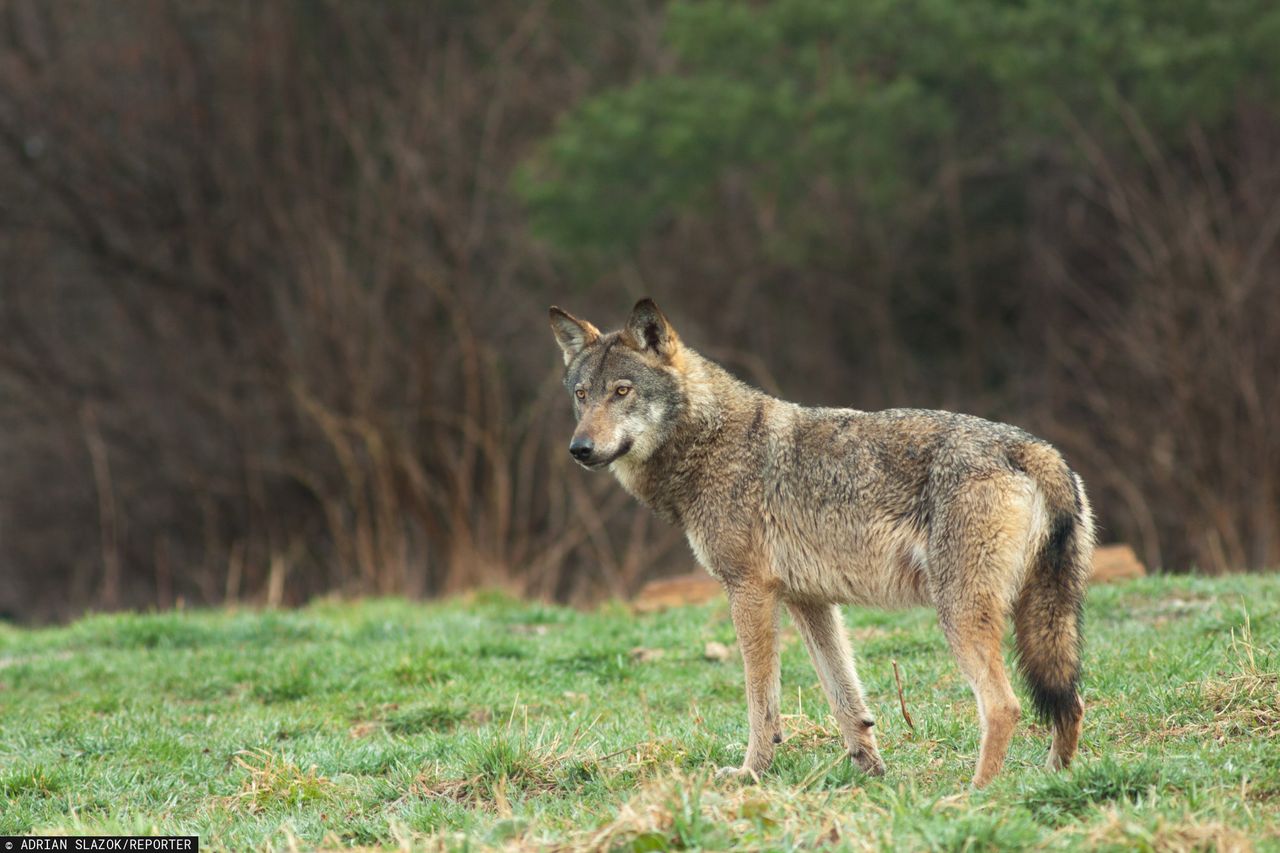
column 977, row 552
column 974, row 631
column 754, row 608
column 823, row 632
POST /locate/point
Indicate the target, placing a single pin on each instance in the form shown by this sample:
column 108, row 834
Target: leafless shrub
column 269, row 279
column 271, row 320
column 1160, row 281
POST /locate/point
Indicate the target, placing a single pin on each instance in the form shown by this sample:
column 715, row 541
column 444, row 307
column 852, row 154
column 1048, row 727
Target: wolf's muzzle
column 584, row 450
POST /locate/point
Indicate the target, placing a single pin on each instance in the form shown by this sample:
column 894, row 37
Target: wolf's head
column 625, row 385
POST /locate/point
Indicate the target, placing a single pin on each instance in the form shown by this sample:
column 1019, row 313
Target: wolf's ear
column 572, row 334
column 648, row 329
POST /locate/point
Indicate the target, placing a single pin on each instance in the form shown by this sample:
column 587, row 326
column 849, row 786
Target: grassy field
column 488, row 722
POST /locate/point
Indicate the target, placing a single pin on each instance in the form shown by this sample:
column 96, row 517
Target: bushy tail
column 1049, row 609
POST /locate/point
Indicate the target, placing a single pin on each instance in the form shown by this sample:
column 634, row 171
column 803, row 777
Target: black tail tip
column 1055, row 705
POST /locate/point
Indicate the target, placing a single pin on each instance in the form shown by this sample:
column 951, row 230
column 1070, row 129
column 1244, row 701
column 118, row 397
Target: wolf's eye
column 623, row 390
column 580, row 394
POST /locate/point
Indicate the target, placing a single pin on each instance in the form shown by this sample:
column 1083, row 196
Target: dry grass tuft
column 363, row 729
column 1249, row 702
column 803, row 732
column 1187, row 836
column 513, row 759
column 679, row 810
column 274, row 780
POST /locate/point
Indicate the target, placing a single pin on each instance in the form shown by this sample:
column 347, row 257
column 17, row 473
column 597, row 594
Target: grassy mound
column 488, row 722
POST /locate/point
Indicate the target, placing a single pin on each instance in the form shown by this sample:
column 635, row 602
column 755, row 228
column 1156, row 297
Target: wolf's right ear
column 572, row 334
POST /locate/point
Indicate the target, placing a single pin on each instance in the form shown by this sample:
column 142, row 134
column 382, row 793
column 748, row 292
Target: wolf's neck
column 716, row 407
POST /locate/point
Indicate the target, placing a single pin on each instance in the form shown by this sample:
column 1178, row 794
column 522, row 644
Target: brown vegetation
column 272, row 324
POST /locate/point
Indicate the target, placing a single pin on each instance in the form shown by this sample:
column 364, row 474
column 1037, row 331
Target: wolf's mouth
column 596, row 464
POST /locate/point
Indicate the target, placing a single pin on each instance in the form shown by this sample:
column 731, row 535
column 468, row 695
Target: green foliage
column 968, row 832
column 425, row 718
column 872, row 96
column 300, row 733
column 32, row 781
column 1060, row 798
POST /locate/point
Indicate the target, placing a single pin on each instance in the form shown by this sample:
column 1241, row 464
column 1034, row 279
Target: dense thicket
column 273, row 277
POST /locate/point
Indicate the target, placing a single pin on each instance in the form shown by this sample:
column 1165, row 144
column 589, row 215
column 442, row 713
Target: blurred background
column 274, row 275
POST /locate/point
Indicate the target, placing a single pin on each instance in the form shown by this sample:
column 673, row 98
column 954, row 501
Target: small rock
column 716, row 651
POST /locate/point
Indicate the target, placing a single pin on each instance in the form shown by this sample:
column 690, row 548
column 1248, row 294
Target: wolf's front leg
column 754, row 607
column 822, row 627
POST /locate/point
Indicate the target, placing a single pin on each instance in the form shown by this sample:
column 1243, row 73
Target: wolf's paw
column 868, row 761
column 738, row 774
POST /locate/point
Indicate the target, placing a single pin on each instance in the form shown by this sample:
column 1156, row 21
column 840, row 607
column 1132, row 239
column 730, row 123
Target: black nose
column 580, row 448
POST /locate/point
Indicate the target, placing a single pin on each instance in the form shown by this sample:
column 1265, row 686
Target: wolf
column 810, row 508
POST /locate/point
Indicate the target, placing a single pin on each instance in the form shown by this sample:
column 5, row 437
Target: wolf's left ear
column 648, row 329
column 572, row 334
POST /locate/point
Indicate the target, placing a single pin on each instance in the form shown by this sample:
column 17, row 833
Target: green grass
column 486, row 722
